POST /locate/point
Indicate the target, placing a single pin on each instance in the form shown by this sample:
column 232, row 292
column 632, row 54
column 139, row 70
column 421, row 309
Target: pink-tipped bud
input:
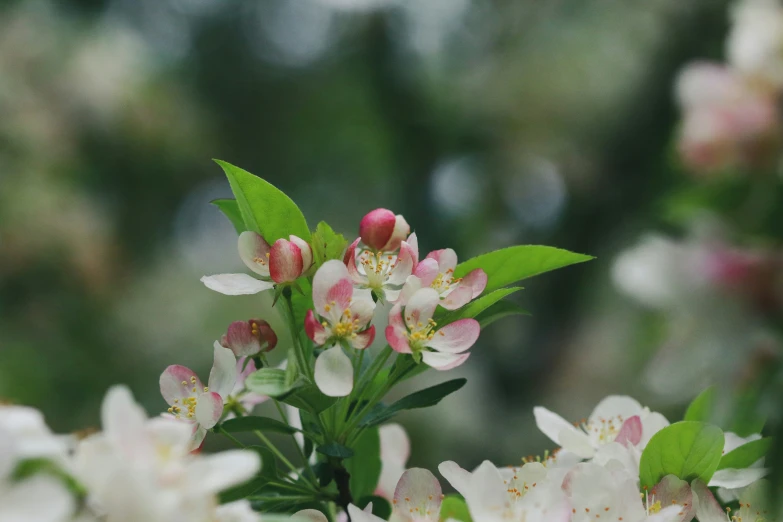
column 382, row 230
column 246, row 338
column 289, row 259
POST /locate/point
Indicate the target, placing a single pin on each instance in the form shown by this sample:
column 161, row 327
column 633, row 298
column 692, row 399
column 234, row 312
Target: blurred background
column 486, row 124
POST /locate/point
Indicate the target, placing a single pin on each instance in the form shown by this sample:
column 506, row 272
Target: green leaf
column 240, row 424
column 302, row 302
column 380, row 506
column 688, row 450
column 308, row 397
column 746, row 419
column 477, row 306
column 498, row 311
column 516, row 263
column 454, row 507
column 336, row 450
column 421, row 399
column 702, row 406
column 264, row 208
column 365, row 465
column 230, row 208
column 268, row 381
column 747, row 454
column 327, row 244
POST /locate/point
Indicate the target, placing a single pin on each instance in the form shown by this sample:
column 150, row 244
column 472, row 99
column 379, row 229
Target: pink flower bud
column 249, row 337
column 383, row 231
column 289, row 259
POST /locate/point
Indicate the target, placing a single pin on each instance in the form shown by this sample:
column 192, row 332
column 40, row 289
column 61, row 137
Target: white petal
column 577, row 442
column 443, row 361
column 458, row 477
column 311, row 515
column 420, row 307
column 395, row 444
column 223, row 470
column 357, row 515
column 37, row 499
column 235, row 284
column 731, row 478
column 123, row 423
column 223, row 375
column 334, row 372
column 209, row 409
column 551, row 424
column 615, row 406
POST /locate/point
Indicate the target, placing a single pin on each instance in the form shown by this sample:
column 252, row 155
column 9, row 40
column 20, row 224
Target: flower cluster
column 731, row 115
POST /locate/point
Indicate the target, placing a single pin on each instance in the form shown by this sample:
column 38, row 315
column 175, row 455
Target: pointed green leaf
column 747, row 454
column 498, row 311
column 335, row 450
column 264, row 208
column 688, row 450
column 308, row 397
column 421, row 399
column 512, row 264
column 268, row 381
column 230, row 209
column 475, row 307
column 365, row 465
column 702, row 406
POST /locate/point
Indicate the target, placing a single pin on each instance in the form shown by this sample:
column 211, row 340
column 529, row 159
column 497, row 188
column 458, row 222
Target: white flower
column 140, row 469
column 755, row 45
column 39, row 498
column 417, row 498
column 239, row 511
column 732, row 482
column 395, row 450
column 531, row 493
column 615, row 419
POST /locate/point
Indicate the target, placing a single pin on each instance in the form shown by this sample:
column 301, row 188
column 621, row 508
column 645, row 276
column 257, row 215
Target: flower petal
column 334, row 372
column 395, row 444
column 223, row 470
column 223, row 376
column 552, row 425
column 285, row 261
column 413, row 243
column 446, row 258
column 235, row 284
column 615, row 406
column 209, row 409
column 332, row 284
column 396, row 332
column 362, row 308
column 456, row 476
column 364, row 339
column 315, row 330
column 311, row 515
column 652, row 424
column 39, row 498
column 672, row 491
column 377, row 227
column 358, row 515
column 630, row 432
column 456, row 337
column 457, row 298
column 401, row 231
column 427, row 271
column 412, row 284
column 254, row 252
column 124, row 422
column 707, row 508
column 304, row 248
column 240, row 339
column 418, row 495
column 476, row 280
column 444, row 361
column 420, row 307
column 731, row 478
column 171, row 383
column 403, row 266
column 576, row 442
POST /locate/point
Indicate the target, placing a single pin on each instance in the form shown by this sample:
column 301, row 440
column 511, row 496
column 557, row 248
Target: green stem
column 298, row 348
column 284, row 418
column 232, row 438
column 282, row 458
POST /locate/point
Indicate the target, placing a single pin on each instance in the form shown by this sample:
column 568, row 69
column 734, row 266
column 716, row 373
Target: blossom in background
column 437, row 271
column 39, row 498
column 728, row 121
column 615, row 419
column 140, row 469
column 283, row 262
column 412, row 330
column 754, row 504
column 239, row 511
column 530, row 493
column 417, row 498
column 382, row 231
column 755, row 44
column 342, row 313
column 246, row 338
column 192, row 402
column 395, row 451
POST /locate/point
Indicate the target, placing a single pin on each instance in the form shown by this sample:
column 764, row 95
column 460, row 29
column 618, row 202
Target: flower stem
column 283, row 459
column 298, row 348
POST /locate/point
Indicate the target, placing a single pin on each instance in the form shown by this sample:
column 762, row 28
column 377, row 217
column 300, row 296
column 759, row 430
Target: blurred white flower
column 755, row 44
column 140, row 469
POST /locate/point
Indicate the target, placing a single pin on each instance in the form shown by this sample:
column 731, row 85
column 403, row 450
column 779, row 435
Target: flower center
column 445, row 281
column 186, row 407
column 343, row 326
column 421, row 333
column 604, row 430
column 377, row 267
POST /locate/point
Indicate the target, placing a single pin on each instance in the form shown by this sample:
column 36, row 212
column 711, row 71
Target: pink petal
column 401, row 231
column 411, row 286
column 377, row 227
column 350, row 262
column 240, row 339
column 671, row 491
column 285, row 261
column 334, row 372
column 444, row 361
column 413, row 243
column 364, row 339
column 209, row 409
column 235, row 284
column 254, row 252
column 332, row 287
column 457, row 298
column 455, row 337
column 427, row 271
column 315, row 330
column 403, row 267
column 418, row 495
column 396, row 333
column 631, row 432
column 707, row 508
column 420, row 307
column 171, row 383
column 304, row 248
column 476, row 280
column 446, row 258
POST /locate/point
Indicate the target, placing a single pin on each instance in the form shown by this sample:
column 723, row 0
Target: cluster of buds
column 731, row 118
